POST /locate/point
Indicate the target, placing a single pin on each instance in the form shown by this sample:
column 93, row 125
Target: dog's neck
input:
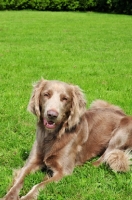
column 49, row 133
column 47, row 138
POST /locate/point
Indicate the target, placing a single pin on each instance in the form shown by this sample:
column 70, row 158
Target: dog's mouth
column 49, row 124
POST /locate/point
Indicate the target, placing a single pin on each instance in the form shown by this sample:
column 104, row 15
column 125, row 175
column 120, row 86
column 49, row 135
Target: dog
column 68, row 135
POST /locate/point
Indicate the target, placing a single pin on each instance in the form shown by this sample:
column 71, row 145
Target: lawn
column 89, row 49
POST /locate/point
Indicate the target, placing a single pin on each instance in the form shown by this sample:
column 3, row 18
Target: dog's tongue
column 49, row 124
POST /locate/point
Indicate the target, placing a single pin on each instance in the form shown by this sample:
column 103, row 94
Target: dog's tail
column 119, row 160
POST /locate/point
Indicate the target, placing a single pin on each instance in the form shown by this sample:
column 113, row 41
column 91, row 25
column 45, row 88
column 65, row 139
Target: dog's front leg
column 14, row 191
column 33, row 193
column 57, row 175
column 32, row 164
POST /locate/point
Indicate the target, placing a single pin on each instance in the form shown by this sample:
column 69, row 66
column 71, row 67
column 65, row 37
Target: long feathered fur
column 68, row 135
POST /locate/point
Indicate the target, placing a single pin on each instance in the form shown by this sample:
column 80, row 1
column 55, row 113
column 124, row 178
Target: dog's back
column 100, row 104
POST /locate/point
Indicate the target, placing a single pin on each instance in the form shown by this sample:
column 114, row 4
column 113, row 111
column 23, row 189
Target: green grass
column 91, row 50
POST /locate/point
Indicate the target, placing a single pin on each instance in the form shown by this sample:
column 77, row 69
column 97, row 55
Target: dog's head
column 56, row 103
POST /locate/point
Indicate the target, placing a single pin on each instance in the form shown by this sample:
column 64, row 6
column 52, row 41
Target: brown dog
column 68, row 135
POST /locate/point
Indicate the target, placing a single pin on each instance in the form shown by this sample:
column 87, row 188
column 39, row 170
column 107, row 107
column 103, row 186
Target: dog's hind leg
column 98, row 162
column 118, row 153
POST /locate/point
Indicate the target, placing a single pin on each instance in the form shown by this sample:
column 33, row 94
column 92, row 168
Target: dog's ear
column 34, row 102
column 78, row 107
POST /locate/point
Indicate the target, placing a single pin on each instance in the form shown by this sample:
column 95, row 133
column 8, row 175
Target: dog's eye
column 64, row 99
column 46, row 94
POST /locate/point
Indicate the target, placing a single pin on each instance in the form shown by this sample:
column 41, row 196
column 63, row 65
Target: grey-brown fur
column 69, row 135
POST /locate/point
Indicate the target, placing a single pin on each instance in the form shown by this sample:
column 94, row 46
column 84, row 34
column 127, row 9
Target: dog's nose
column 52, row 114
